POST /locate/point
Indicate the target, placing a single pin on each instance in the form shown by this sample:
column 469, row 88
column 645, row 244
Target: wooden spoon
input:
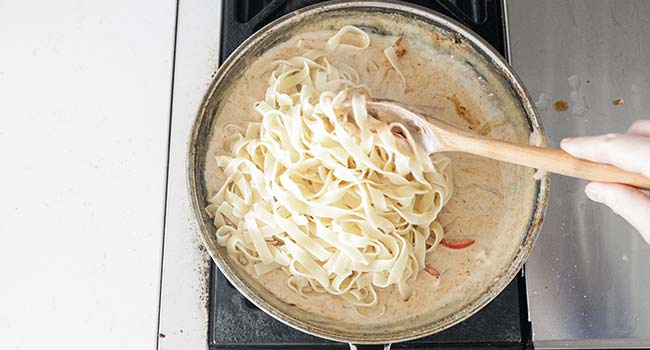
column 437, row 136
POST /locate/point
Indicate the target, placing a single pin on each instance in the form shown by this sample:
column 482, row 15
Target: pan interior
column 493, row 202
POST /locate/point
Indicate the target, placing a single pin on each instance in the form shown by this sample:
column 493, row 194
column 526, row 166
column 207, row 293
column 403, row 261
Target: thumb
column 628, row 202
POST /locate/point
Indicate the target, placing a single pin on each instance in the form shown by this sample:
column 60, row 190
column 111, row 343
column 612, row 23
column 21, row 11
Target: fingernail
column 565, row 142
column 592, row 193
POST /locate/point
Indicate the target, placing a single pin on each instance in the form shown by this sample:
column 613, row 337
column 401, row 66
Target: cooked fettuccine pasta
column 341, row 202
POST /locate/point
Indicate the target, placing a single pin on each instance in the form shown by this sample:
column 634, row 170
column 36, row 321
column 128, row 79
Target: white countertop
column 85, row 91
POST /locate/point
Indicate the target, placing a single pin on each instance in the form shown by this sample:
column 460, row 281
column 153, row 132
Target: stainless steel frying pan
column 385, row 18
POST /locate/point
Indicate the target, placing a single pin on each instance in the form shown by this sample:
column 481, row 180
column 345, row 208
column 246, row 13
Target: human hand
column 629, row 151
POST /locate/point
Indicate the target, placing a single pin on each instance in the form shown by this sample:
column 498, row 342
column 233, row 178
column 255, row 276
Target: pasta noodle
column 340, row 201
column 391, row 56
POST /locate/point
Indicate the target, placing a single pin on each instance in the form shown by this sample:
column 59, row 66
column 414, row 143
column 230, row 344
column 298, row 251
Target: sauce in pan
column 491, row 203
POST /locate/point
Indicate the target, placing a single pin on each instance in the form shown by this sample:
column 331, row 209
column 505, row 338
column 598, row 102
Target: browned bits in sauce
column 471, row 170
column 618, row 101
column 399, row 49
column 560, row 105
column 462, row 112
column 486, row 128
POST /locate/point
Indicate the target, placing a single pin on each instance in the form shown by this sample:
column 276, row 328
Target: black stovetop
column 235, row 323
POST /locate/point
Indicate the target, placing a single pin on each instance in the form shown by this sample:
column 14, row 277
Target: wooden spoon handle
column 547, row 159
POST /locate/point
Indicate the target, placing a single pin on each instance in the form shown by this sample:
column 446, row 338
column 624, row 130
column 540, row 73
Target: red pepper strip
column 457, row 244
column 431, row 271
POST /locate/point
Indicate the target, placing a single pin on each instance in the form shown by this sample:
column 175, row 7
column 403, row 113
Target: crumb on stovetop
column 560, row 105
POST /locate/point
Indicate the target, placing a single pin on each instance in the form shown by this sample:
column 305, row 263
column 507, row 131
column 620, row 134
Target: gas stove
column 235, row 323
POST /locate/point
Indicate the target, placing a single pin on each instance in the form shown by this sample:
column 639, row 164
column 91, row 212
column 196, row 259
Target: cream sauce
column 491, row 200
